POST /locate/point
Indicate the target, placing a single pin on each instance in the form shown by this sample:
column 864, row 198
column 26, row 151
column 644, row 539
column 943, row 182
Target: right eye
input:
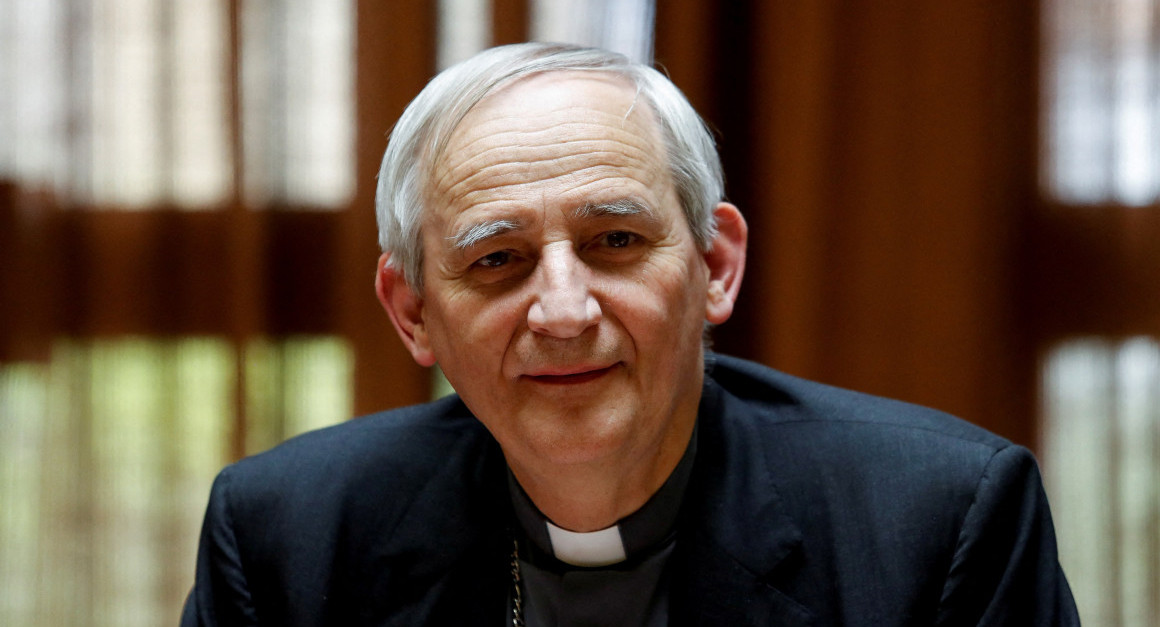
column 494, row 260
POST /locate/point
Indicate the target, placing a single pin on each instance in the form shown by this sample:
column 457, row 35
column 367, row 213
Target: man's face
column 564, row 295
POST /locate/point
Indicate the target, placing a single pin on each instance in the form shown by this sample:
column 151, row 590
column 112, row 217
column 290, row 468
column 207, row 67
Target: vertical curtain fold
column 883, row 154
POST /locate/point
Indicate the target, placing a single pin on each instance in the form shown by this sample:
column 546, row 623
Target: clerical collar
column 635, row 535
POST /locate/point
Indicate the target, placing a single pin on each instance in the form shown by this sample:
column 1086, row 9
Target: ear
column 726, row 262
column 405, row 309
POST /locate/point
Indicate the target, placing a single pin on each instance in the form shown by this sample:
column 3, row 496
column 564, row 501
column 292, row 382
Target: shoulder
column 346, row 512
column 404, row 437
column 379, row 462
column 399, row 436
column 777, row 400
column 881, row 494
column 829, row 449
column 889, row 510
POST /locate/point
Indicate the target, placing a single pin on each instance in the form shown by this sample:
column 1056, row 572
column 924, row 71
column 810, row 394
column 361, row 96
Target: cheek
column 673, row 289
column 467, row 332
column 660, row 307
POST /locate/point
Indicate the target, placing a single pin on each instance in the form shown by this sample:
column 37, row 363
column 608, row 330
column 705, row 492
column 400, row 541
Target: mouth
column 571, row 378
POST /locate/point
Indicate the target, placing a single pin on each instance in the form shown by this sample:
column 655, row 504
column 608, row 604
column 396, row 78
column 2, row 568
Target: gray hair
column 425, row 128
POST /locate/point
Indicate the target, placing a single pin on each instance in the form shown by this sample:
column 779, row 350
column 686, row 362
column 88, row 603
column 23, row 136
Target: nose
column 563, row 306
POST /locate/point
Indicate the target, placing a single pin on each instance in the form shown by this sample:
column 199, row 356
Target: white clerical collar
column 590, row 549
column 638, row 534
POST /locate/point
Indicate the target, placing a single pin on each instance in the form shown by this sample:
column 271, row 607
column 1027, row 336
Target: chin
column 581, row 441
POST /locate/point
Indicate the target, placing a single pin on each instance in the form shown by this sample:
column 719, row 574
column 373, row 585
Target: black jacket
column 808, row 505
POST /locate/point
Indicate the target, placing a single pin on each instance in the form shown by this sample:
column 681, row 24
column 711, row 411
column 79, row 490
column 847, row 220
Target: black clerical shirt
column 616, row 576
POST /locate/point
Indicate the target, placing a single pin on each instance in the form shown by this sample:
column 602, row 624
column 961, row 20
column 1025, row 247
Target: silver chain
column 517, row 587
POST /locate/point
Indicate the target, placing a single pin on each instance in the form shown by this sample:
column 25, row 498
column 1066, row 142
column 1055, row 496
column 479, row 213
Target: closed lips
column 577, row 375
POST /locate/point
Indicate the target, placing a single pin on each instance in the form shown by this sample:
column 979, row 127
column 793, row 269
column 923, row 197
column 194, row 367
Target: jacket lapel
column 713, row 588
column 444, row 561
column 737, row 550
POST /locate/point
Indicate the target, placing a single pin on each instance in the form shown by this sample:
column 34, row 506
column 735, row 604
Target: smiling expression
column 564, row 295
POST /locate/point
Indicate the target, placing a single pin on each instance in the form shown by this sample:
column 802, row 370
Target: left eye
column 618, row 239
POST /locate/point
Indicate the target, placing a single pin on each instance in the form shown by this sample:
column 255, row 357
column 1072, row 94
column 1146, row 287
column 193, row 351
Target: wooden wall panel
column 883, row 154
column 27, row 272
column 396, row 57
column 510, row 21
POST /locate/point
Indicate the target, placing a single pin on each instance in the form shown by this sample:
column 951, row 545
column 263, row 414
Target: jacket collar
column 736, row 556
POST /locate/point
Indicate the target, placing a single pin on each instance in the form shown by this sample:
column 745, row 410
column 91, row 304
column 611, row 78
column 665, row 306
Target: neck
column 594, row 495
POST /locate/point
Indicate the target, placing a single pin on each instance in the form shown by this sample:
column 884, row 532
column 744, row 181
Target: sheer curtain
column 141, row 137
column 625, row 26
column 1101, row 456
column 1102, row 100
column 133, row 104
column 1101, row 392
column 106, row 455
column 117, row 103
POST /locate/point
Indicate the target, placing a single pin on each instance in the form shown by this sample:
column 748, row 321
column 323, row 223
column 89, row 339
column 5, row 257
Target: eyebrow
column 472, row 234
column 619, row 207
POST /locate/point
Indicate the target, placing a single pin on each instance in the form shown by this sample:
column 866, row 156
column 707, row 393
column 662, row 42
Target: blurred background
column 955, row 203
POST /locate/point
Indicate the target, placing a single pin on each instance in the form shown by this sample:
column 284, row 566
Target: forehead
column 576, row 100
column 567, row 134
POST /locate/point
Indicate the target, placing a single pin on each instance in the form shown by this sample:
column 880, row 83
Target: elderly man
column 556, row 241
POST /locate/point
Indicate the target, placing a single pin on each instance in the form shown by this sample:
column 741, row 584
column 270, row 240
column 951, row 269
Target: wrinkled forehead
column 559, row 91
column 572, row 110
